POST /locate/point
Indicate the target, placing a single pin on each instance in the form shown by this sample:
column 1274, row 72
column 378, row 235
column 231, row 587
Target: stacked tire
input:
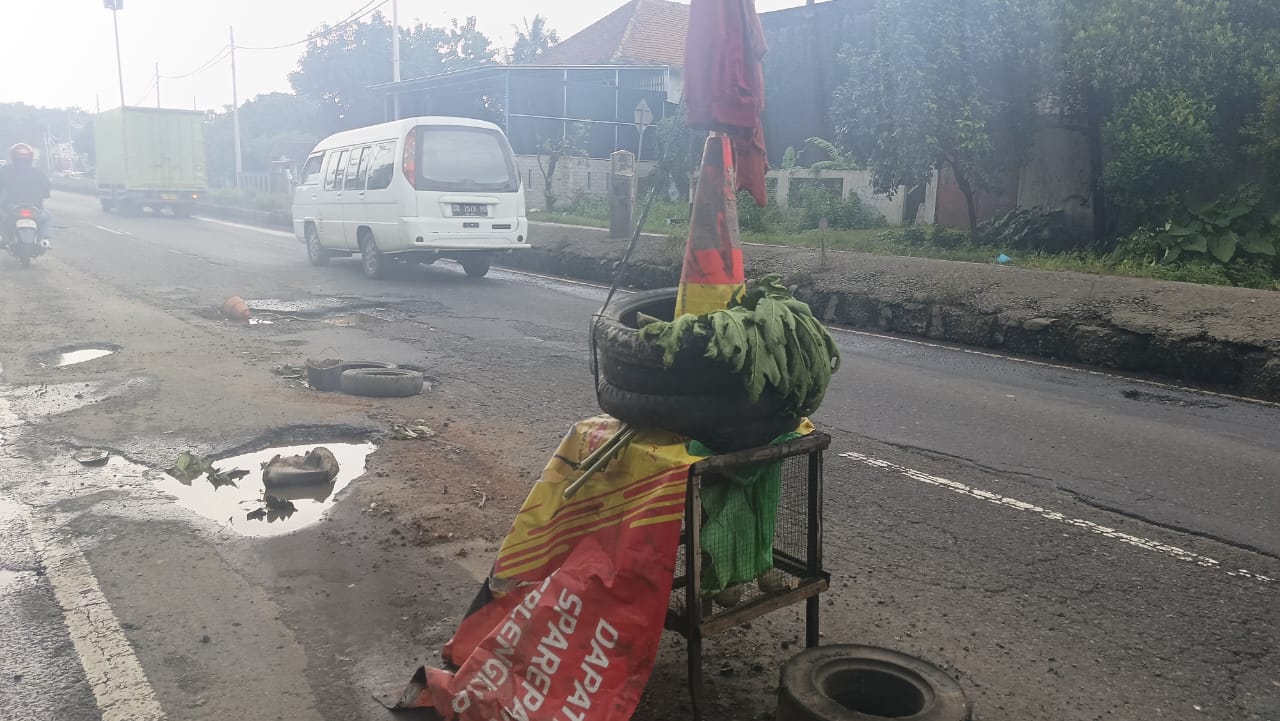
column 695, row 396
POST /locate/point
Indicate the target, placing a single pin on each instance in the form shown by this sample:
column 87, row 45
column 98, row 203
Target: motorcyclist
column 22, row 183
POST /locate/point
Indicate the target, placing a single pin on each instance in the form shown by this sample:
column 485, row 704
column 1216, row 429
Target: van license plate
column 27, row 224
column 168, row 196
column 470, row 210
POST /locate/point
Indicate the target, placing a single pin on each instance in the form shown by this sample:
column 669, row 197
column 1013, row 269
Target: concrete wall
column 893, row 208
column 1056, row 175
column 574, row 176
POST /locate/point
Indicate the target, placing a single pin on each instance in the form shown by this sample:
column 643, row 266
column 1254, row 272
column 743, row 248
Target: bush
column 1028, row 229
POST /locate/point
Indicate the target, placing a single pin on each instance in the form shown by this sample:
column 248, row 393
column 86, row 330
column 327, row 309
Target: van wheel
column 476, row 265
column 375, row 263
column 316, row 254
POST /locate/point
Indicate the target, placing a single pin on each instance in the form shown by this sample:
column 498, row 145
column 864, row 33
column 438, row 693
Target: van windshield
column 465, row 160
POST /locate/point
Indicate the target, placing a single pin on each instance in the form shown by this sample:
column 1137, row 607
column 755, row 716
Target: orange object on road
column 712, row 274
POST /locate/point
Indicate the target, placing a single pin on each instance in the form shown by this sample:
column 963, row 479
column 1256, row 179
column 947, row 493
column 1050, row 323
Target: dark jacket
column 22, row 185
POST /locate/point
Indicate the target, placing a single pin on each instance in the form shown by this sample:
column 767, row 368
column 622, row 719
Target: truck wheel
column 375, row 263
column 180, row 211
column 853, row 683
column 315, row 253
column 476, row 265
column 107, row 205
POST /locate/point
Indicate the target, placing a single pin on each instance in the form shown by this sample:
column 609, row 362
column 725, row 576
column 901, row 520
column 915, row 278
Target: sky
column 64, row 55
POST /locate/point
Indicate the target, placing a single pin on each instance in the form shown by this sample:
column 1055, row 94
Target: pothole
column 76, row 355
column 243, row 506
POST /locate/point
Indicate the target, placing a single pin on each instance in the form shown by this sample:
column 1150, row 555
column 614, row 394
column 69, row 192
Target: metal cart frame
column 695, row 617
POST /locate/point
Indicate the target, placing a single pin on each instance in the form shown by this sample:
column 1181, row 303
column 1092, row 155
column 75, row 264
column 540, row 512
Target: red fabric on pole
column 724, row 82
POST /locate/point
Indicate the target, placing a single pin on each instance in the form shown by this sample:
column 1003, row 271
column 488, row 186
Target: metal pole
column 235, row 108
column 157, row 85
column 115, row 26
column 395, row 56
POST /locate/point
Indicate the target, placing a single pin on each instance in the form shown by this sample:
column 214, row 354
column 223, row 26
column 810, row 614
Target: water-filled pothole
column 242, row 506
column 75, row 355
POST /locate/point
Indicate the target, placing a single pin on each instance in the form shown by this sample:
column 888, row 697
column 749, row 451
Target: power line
column 368, row 9
column 218, row 57
column 147, row 94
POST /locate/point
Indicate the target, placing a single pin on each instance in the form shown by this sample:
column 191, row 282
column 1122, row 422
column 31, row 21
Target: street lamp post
column 115, row 6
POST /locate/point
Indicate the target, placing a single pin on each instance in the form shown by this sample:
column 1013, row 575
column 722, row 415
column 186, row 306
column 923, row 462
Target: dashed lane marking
column 112, row 230
column 253, row 228
column 964, row 489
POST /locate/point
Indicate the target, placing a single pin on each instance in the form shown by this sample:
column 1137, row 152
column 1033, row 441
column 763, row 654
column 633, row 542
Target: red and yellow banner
column 567, row 626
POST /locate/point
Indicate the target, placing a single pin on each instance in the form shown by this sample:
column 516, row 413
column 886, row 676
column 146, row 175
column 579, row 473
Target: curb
column 1103, row 321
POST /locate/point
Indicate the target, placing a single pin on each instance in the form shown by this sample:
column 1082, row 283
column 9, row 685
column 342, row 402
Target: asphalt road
column 1069, row 544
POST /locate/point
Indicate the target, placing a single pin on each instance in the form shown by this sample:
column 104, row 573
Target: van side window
column 334, row 180
column 382, row 167
column 357, row 166
column 311, row 171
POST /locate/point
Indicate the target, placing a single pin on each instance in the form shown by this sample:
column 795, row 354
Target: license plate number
column 25, row 224
column 470, row 210
column 168, row 196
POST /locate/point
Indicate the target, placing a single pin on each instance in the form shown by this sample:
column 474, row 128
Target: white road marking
column 115, row 675
column 1180, row 554
column 1055, row 366
column 254, row 228
column 112, row 230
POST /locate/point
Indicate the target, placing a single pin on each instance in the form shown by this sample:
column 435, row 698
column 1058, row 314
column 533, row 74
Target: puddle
column 231, row 505
column 80, row 354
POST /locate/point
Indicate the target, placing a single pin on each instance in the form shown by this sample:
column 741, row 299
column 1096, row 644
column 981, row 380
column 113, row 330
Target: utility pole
column 114, row 6
column 395, row 56
column 235, row 108
column 157, row 85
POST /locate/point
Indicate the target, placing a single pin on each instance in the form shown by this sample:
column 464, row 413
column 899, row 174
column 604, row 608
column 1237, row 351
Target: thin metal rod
column 395, row 56
column 235, row 109
column 115, row 26
column 157, row 85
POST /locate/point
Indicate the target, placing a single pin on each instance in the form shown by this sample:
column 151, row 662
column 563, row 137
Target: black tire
column 382, row 382
column 633, row 364
column 315, row 252
column 723, row 422
column 107, row 205
column 373, row 260
column 475, row 265
column 329, row 378
column 862, row 683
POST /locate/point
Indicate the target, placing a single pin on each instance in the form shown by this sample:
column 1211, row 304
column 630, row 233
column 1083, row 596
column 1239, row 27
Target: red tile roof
column 641, row 32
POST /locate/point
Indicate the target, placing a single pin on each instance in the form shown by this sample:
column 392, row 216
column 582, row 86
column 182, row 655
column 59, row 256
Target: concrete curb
column 1223, row 337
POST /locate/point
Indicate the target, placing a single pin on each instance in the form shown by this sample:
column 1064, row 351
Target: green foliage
column 1164, row 147
column 790, row 159
column 572, row 144
column 767, row 337
column 339, row 66
column 1034, row 229
column 271, row 125
column 836, row 159
column 532, row 41
column 1263, row 133
column 1221, row 230
column 817, row 201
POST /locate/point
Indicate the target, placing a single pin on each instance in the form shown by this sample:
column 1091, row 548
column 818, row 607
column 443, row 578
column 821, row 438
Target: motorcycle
column 22, row 234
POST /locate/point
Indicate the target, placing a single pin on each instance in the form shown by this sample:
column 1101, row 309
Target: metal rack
column 797, row 550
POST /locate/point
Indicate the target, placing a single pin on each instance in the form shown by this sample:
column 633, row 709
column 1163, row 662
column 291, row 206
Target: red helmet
column 21, row 153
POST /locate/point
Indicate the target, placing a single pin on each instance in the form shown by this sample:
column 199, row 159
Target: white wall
column 589, row 176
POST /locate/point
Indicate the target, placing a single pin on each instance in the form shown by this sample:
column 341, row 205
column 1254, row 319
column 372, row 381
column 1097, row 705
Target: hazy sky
column 61, row 52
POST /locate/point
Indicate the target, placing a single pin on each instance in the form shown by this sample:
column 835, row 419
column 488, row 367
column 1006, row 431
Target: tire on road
column 723, row 422
column 374, row 261
column 858, row 683
column 328, row 378
column 381, row 382
column 630, row 363
column 475, row 265
column 316, row 253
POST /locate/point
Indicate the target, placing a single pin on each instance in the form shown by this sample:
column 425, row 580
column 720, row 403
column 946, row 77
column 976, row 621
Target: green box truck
column 150, row 158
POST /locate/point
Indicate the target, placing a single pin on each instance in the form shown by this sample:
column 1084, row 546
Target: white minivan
column 412, row 190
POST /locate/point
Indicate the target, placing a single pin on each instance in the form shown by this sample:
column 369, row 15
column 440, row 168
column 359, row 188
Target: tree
column 939, row 91
column 572, row 144
column 340, row 65
column 534, row 40
column 271, row 125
